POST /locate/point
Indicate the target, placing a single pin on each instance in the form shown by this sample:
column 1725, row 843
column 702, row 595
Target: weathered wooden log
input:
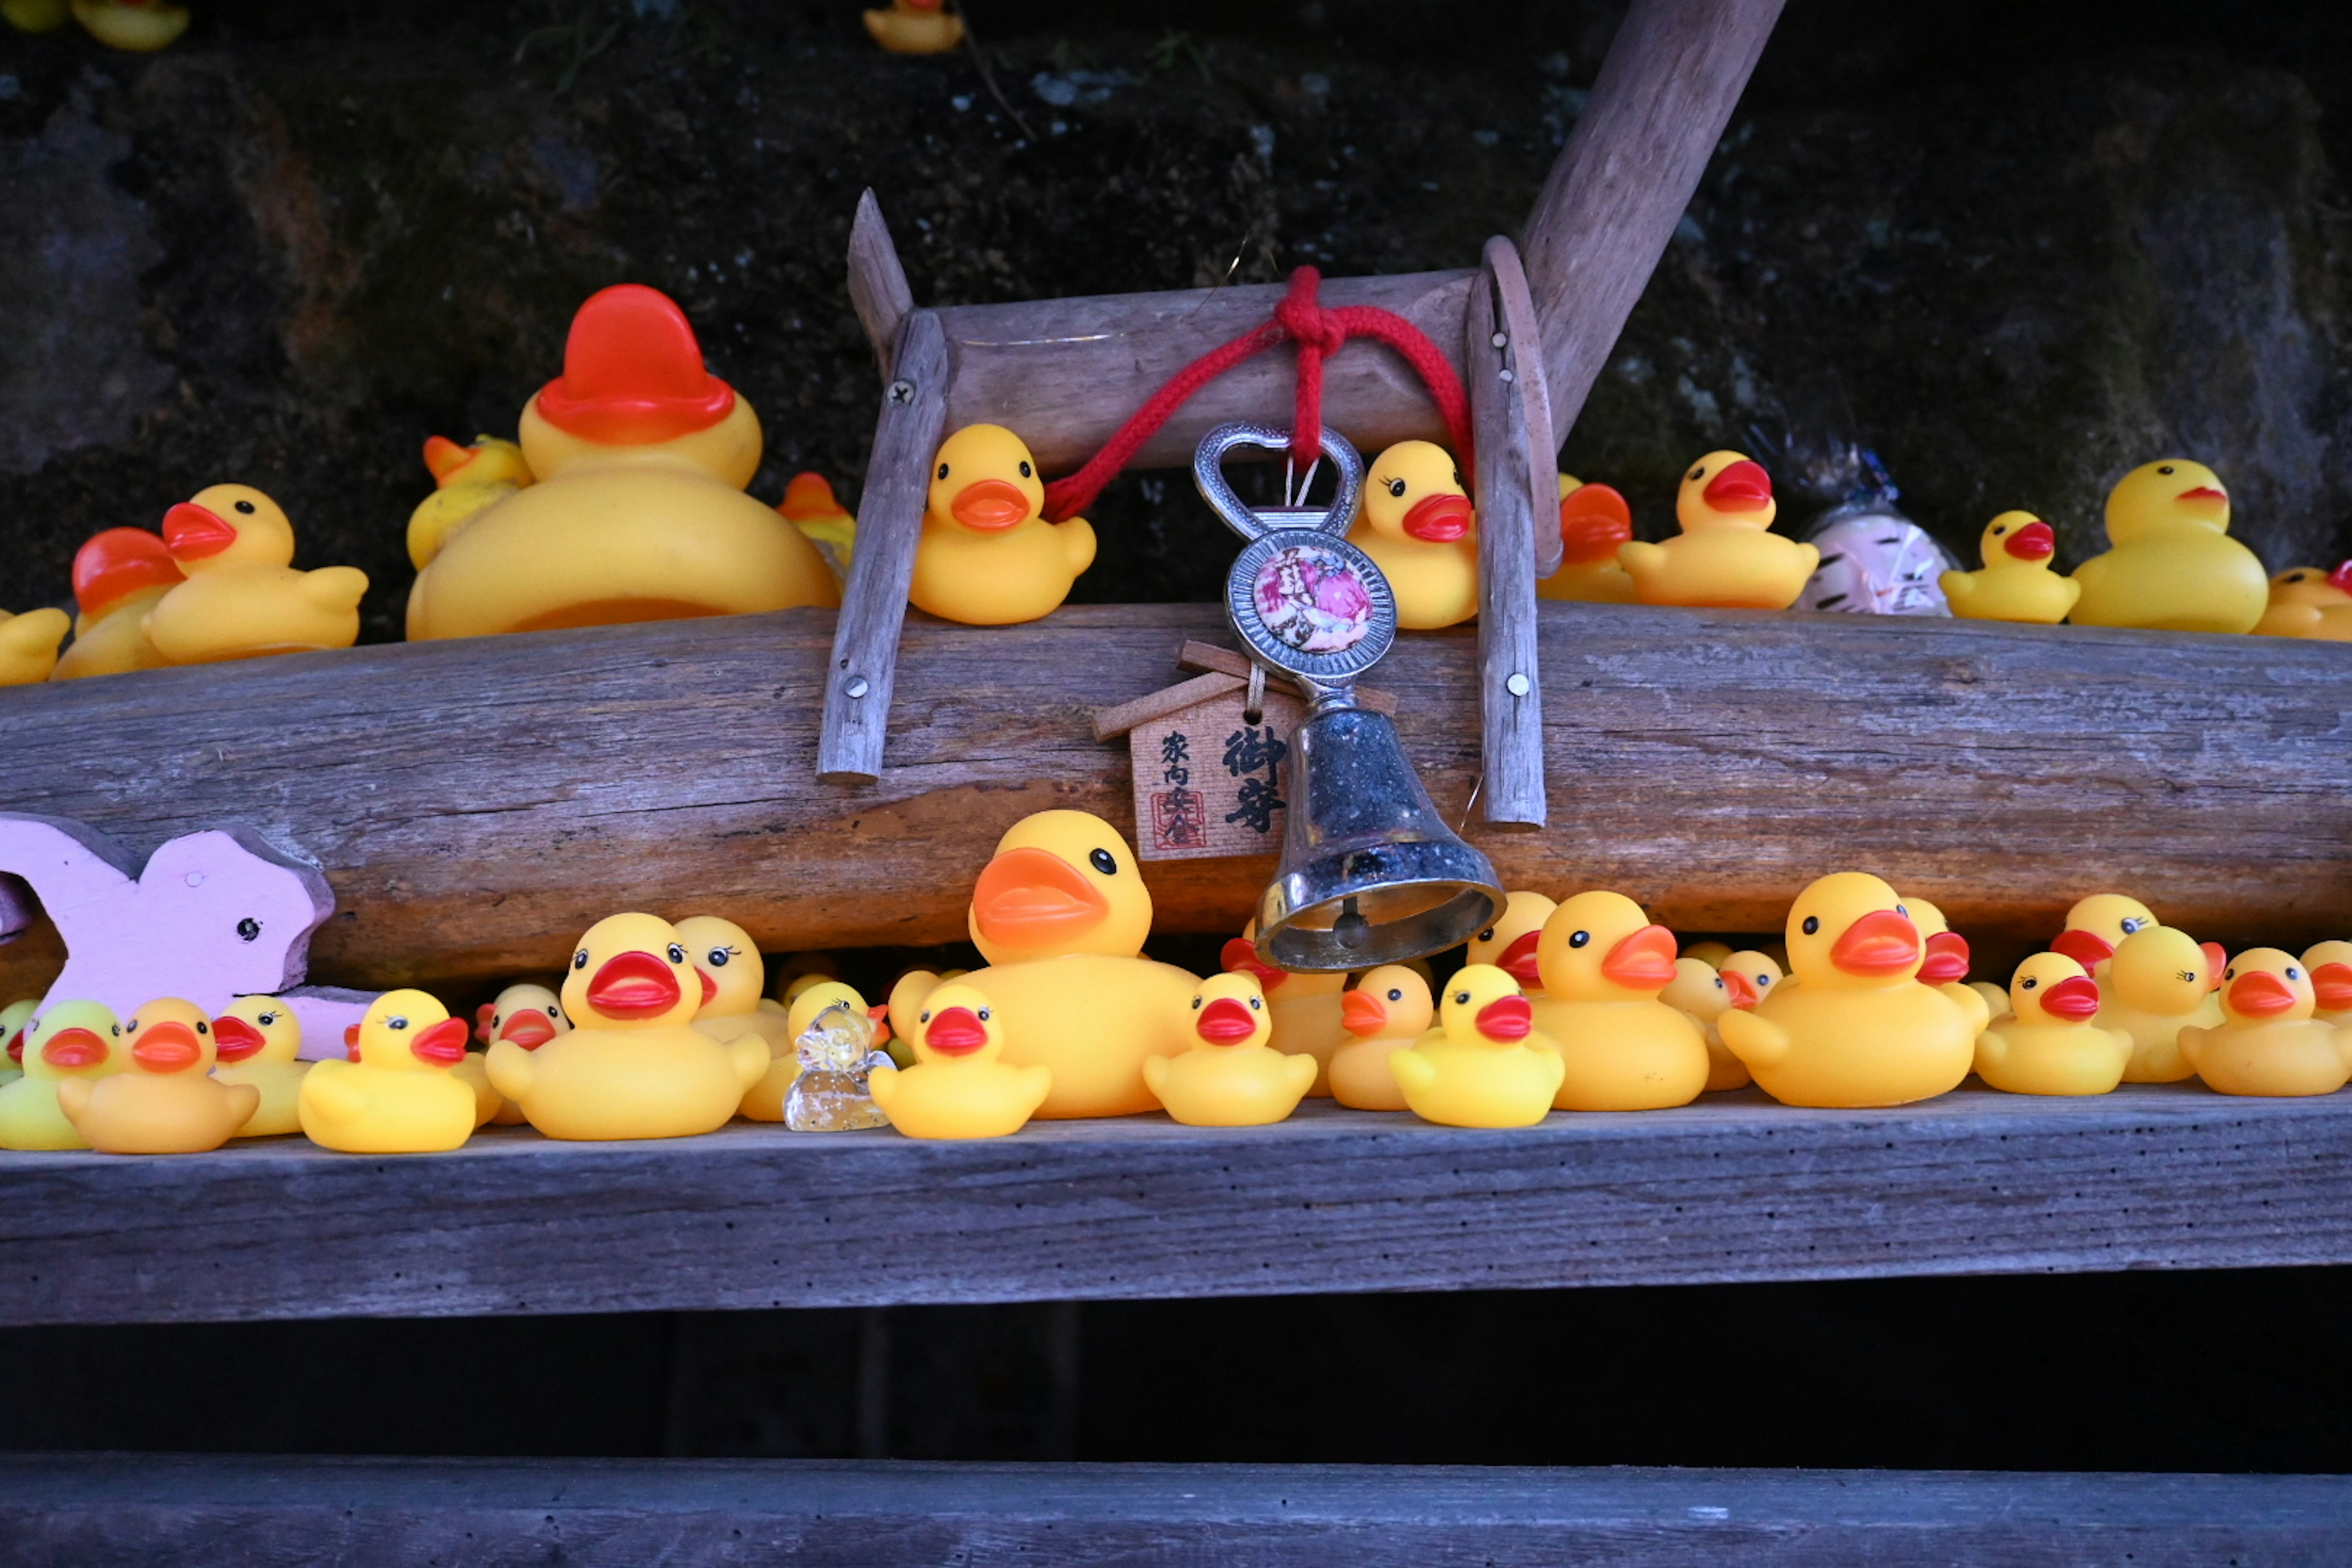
column 878, row 290
column 477, row 803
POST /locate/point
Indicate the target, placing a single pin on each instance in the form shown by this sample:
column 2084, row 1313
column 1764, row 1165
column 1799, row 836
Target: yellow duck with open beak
column 1604, row 965
column 165, row 1100
column 258, row 1040
column 1418, row 527
column 2047, row 1042
column 1727, row 556
column 2171, row 563
column 68, row 1041
column 1229, row 1076
column 2016, row 584
column 1387, row 1010
column 2268, row 1042
column 987, row 556
column 243, row 597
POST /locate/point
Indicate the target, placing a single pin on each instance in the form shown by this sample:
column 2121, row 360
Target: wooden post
column 878, row 290
column 1516, row 487
column 1664, row 94
column 889, row 523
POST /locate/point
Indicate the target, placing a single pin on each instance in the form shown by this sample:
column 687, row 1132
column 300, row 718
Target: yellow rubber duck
column 162, row 1101
column 2096, row 924
column 1387, row 1010
column 2016, row 584
column 2159, row 981
column 12, row 1019
column 915, row 28
column 35, row 15
column 728, row 965
column 1703, row 994
column 1418, row 527
column 1593, row 522
column 1708, row 951
column 243, row 598
column 1305, row 1009
column 528, row 1013
column 467, row 480
column 2171, row 563
column 1229, row 1076
column 960, row 1087
column 1510, row 943
column 71, row 1042
column 1852, row 1025
column 810, row 505
column 1726, row 557
column 987, row 556
column 119, row 575
column 1946, row 964
column 2330, row 966
column 799, row 971
column 1061, row 914
column 2046, row 1043
column 137, row 26
column 400, row 1093
column 256, row 1041
column 2268, row 1042
column 28, row 644
column 638, row 513
column 473, row 1070
column 1604, row 965
column 1485, row 1066
column 634, row 1065
column 2305, row 602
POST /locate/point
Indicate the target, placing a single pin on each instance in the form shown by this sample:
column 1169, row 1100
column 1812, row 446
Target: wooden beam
column 1666, row 91
column 1512, row 459
column 878, row 290
column 117, row 1510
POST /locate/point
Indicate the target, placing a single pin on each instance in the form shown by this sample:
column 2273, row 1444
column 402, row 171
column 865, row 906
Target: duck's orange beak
column 2074, row 999
column 234, row 1039
column 1506, row 1018
column 2260, row 994
column 1239, row 956
column 2217, row 959
column 191, row 531
column 1742, row 487
column 1518, row 960
column 2332, row 982
column 530, row 1029
column 350, row 1042
column 1593, row 522
column 1363, row 1014
column 1439, row 518
column 1880, row 942
column 2087, row 948
column 70, row 1048
column 2034, row 541
column 442, row 1046
column 1948, row 959
column 955, row 1032
column 1643, row 961
column 1028, row 898
column 1743, row 990
column 1225, row 1022
column 444, row 458
column 16, row 1046
column 709, row 987
column 634, row 984
column 990, row 505
column 168, row 1047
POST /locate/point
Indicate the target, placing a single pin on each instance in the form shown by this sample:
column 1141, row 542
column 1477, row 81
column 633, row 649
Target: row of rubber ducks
column 140, row 27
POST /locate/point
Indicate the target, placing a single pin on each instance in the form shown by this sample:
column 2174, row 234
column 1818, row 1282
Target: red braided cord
column 1318, row 332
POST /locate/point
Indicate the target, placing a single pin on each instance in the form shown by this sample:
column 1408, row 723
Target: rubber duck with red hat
column 244, row 597
column 119, row 574
column 638, row 512
column 1727, row 556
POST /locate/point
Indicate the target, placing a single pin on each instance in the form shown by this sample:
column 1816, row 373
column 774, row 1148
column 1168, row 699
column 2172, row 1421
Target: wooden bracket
column 1517, row 491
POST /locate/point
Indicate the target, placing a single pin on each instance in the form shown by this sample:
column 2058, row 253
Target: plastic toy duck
column 1305, row 1009
column 2016, row 584
column 530, row 1016
column 12, row 1019
column 1510, row 943
column 1593, row 522
column 1387, row 1010
column 35, row 15
column 2096, row 924
column 2172, row 564
column 1703, row 994
column 2158, row 983
column 1726, row 557
column 810, row 505
column 28, row 644
column 136, row 27
column 2268, row 1042
column 73, row 1041
column 1485, row 1066
column 469, row 479
column 256, row 1040
column 119, row 575
column 727, row 963
column 1604, row 965
column 915, row 28
column 638, row 513
column 243, row 598
column 400, row 1093
column 1946, row 964
column 1708, row 951
column 634, row 1065
column 2046, row 1042
column 1418, row 527
column 960, row 1087
column 2329, row 963
column 2305, row 602
column 1852, row 1025
column 1061, row 914
column 1229, row 1076
column 163, row 1102
column 987, row 556
column 800, row 970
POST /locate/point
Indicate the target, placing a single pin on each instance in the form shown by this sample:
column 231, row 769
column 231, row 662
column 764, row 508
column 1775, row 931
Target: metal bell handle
column 1209, row 474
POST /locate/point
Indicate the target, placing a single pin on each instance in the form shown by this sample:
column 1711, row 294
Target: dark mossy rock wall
column 2015, row 249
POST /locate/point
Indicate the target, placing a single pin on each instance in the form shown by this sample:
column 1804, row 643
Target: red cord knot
column 1304, row 321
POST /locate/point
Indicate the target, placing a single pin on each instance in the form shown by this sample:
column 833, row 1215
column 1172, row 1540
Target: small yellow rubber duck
column 528, row 1013
column 810, row 505
column 163, row 1102
column 2171, row 564
column 119, row 575
column 2016, row 584
column 28, row 644
column 916, row 27
column 400, row 1093
column 2330, row 965
column 1305, row 1009
column 2268, row 1042
column 468, row 480
column 1946, row 964
column 12, row 1019
column 2095, row 925
column 1485, row 1066
column 1593, row 522
column 1703, row 994
column 728, row 964
column 2046, row 1043
column 1387, row 1010
column 1708, row 951
column 960, row 1086
column 257, row 1041
column 71, row 1042
column 798, row 972
column 1852, row 1025
column 1418, row 527
column 243, row 598
column 1229, row 1076
column 1726, row 557
column 1604, row 965
column 2305, row 602
column 136, row 27
column 987, row 556
column 2159, row 981
column 1510, row 943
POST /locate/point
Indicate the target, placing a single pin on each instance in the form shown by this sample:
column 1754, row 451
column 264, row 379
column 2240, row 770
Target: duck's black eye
column 245, row 507
column 943, row 470
column 2292, row 974
column 1024, row 470
column 1196, row 1003
column 983, row 1014
column 1763, row 979
column 248, row 928
column 1486, row 935
column 1904, row 913
column 2000, row 529
column 718, row 956
column 2164, row 467
column 1578, row 939
column 2029, row 984
column 579, row 959
column 2226, row 974
column 924, row 1019
column 132, row 1026
column 1102, row 860
column 1462, row 998
column 555, row 1012
column 204, row 1028
column 396, row 1022
column 1255, row 1003
column 268, row 1019
column 1699, row 472
column 1813, row 925
column 2132, row 923
column 1396, row 995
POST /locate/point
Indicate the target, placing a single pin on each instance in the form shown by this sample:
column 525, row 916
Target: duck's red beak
column 168, row 1047
column 191, row 532
column 2086, row 948
column 1363, row 1014
column 443, row 1045
column 955, row 1032
column 530, row 1029
column 2260, row 994
column 990, row 505
column 2217, row 960
column 2341, row 578
column 1225, row 1022
column 1948, row 959
column 1742, row 487
column 234, row 1039
column 484, row 1017
column 2034, row 541
column 2074, row 999
column 1439, row 518
column 1029, row 897
column 70, row 1048
column 709, row 987
column 1239, row 956
column 634, row 984
column 1506, row 1018
column 2205, row 495
column 1518, row 960
column 1742, row 990
column 2333, row 982
column 1643, row 961
column 1880, row 942
column 1593, row 522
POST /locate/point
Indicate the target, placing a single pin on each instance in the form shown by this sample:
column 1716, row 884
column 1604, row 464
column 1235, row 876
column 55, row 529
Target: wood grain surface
column 1735, row 1188
column 878, row 290
column 1515, row 489
column 101, row 1511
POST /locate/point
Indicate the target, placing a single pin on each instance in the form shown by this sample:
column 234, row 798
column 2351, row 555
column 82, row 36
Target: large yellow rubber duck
column 2016, row 584
column 2046, row 1043
column 987, row 556
column 2268, row 1042
column 119, row 575
column 634, row 1065
column 638, row 513
column 243, row 598
column 1061, row 914
column 2305, row 602
column 400, row 1093
column 467, row 480
column 916, row 27
column 28, row 644
column 1485, row 1066
column 1418, row 527
column 2330, row 966
column 1852, row 1025
column 1593, row 522
column 960, row 1087
column 70, row 1041
column 12, row 1019
column 1510, row 943
column 1726, row 557
column 256, row 1040
column 163, row 1102
column 2095, row 925
column 134, row 27
column 1603, row 965
column 1304, row 1009
column 1229, row 1076
column 1387, row 1010
column 2171, row 563
column 2158, row 982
